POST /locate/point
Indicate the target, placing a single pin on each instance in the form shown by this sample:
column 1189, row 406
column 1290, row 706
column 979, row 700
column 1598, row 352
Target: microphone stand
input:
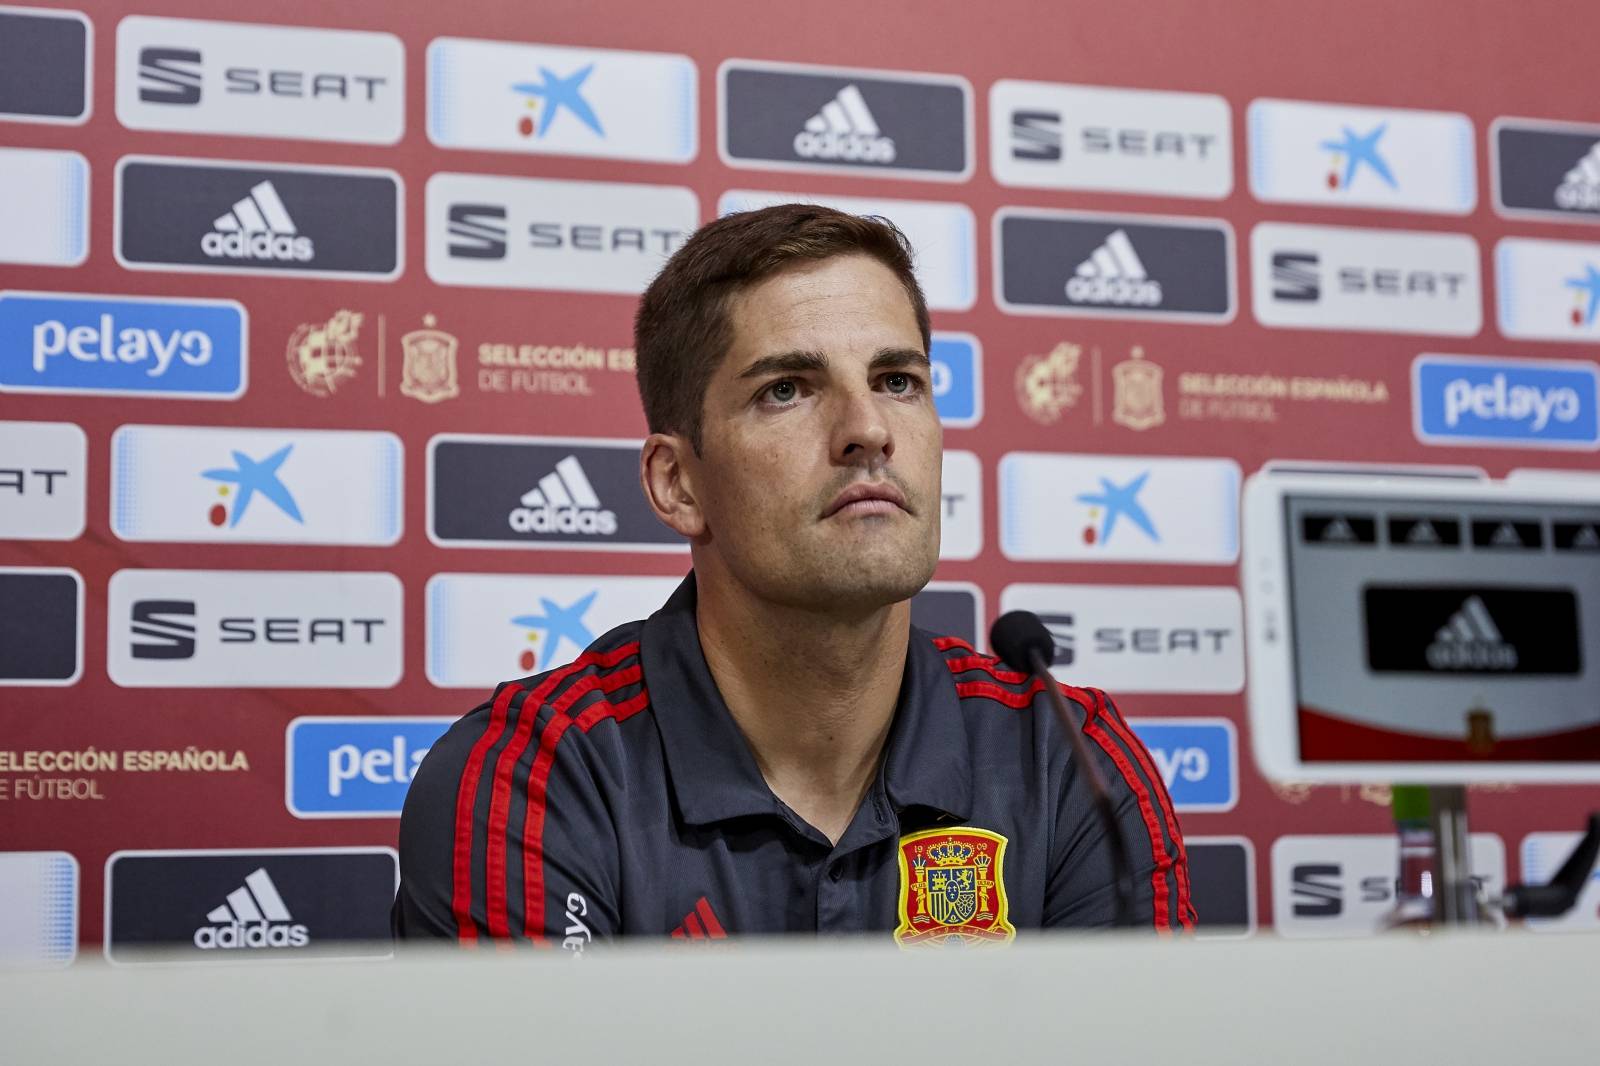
column 1121, row 867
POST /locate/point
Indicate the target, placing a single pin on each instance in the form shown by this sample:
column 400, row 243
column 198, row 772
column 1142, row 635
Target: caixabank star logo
column 952, row 888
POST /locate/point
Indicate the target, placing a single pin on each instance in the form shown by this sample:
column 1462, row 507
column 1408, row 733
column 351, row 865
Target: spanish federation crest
column 952, row 888
column 429, row 372
column 1137, row 403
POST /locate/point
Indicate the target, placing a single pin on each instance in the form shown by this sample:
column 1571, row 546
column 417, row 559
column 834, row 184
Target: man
column 778, row 749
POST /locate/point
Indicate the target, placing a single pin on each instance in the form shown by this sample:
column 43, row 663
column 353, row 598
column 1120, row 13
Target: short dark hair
column 682, row 331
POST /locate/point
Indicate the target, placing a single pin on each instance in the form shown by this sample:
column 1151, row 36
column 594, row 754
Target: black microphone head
column 1016, row 635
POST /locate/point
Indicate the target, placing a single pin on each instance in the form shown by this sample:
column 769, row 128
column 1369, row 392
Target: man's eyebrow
column 785, row 363
column 896, row 358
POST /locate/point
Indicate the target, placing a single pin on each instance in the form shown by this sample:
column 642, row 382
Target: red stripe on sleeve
column 946, row 643
column 539, row 778
column 466, row 798
column 990, row 690
column 500, row 796
column 1158, row 848
column 691, row 923
column 1142, row 754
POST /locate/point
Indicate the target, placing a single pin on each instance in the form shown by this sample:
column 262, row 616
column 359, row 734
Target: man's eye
column 782, row 391
column 900, row 384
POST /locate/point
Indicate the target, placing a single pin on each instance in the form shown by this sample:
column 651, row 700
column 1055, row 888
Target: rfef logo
column 271, row 486
column 1140, row 638
column 44, row 206
column 1059, row 507
column 1198, row 759
column 254, row 629
column 71, row 343
column 895, row 124
column 500, row 492
column 1133, row 266
column 1548, row 171
column 47, row 56
column 546, row 99
column 43, row 470
column 1390, row 281
column 1049, row 136
column 1524, row 403
column 258, row 218
column 1549, row 290
column 41, row 628
column 252, row 80
column 944, row 236
column 957, row 369
column 1338, row 155
column 233, row 905
column 483, row 629
column 354, row 767
column 570, row 236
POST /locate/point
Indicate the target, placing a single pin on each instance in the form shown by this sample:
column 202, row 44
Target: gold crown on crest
column 951, row 853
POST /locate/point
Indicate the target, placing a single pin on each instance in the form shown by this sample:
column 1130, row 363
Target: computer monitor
column 1425, row 629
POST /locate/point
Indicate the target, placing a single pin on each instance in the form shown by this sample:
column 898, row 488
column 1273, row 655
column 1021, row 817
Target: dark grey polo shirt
column 617, row 796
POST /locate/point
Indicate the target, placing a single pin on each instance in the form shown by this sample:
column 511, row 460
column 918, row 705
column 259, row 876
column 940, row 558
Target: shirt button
column 836, row 871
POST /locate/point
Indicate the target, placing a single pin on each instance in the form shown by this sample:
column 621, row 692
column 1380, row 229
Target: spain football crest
column 952, row 888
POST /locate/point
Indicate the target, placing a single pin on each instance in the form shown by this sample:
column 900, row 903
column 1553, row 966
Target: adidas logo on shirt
column 1471, row 641
column 1114, row 274
column 563, row 502
column 258, row 227
column 844, row 129
column 1580, row 189
column 254, row 916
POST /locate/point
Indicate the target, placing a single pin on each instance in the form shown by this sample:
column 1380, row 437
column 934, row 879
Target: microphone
column 1025, row 645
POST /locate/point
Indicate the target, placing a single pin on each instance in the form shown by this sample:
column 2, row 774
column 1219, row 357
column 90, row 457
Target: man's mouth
column 868, row 498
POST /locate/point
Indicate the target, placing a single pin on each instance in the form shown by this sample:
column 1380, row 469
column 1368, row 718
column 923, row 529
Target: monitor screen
column 1444, row 631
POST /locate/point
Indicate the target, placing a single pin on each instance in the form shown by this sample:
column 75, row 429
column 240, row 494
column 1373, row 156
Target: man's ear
column 666, row 472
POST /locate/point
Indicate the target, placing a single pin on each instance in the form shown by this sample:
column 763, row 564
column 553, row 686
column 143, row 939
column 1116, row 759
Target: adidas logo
column 563, row 502
column 253, row 917
column 1114, row 274
column 700, row 924
column 1471, row 641
column 258, row 227
column 1580, row 189
column 844, row 129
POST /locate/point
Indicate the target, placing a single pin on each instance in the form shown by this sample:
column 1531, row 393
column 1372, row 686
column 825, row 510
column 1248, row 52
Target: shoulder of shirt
column 605, row 682
column 982, row 680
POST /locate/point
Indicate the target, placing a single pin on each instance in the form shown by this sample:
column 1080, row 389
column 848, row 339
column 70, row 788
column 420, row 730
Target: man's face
column 818, row 473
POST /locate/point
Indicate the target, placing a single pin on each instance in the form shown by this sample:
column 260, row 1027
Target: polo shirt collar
column 712, row 770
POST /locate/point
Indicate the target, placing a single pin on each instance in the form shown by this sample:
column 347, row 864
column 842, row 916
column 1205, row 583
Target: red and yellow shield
column 952, row 888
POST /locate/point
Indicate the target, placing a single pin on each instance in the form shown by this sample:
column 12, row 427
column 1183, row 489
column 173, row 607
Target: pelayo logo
column 72, row 343
column 354, row 767
column 1525, row 403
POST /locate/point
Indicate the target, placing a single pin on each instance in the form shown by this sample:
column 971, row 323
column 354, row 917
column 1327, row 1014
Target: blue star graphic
column 558, row 92
column 253, row 476
column 560, row 623
column 1120, row 500
column 1589, row 283
column 1362, row 149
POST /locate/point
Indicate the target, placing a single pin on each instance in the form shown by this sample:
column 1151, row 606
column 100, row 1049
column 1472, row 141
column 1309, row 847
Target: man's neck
column 813, row 693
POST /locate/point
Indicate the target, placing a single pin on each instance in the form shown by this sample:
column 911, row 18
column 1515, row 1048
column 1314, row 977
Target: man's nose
column 861, row 432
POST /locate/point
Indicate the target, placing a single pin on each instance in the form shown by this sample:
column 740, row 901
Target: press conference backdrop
column 319, row 413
